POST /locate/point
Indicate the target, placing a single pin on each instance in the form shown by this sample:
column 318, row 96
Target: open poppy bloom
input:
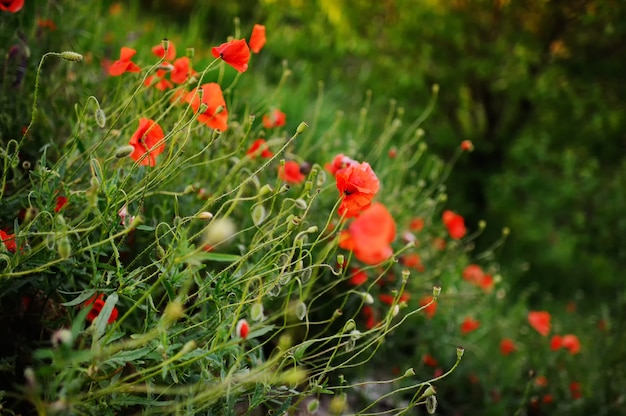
column 540, row 321
column 160, row 52
column 182, row 70
column 257, row 39
column 146, row 140
column 370, row 235
column 469, row 325
column 124, row 64
column 275, row 119
column 291, row 173
column 8, row 240
column 235, row 53
column 455, row 224
column 357, row 185
column 97, row 303
column 507, row 346
column 571, row 343
column 12, row 6
column 216, row 114
column 259, row 148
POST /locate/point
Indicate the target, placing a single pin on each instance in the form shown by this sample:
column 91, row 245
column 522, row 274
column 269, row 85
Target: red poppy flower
column 259, row 148
column 386, row 298
column 291, row 173
column 146, row 140
column 431, row 309
column 182, row 70
column 548, row 398
column 486, row 283
column 541, row 381
column 46, row 24
column 473, row 273
column 214, row 99
column 8, row 240
column 357, row 185
column 339, row 162
column 507, row 346
column 275, row 119
column 124, row 64
column 414, row 261
column 162, row 84
column 370, row 235
column 416, row 225
column 556, row 343
column 12, row 6
column 575, row 390
column 257, row 39
column 97, row 303
column 540, row 321
column 61, row 202
column 570, row 342
column 469, row 325
column 429, row 360
column 455, row 224
column 159, row 51
column 358, row 277
column 467, row 146
column 235, row 53
column 370, row 317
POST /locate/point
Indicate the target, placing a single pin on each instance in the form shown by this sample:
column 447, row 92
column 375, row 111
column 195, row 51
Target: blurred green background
column 538, row 86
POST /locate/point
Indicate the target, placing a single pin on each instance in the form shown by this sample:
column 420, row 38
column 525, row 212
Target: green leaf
column 80, row 298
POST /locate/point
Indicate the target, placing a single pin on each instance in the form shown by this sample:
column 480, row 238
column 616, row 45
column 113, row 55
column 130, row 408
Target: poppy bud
column 367, row 298
column 188, row 347
column 435, row 88
column 173, row 311
column 101, row 118
column 482, row 224
column 124, row 151
column 405, row 275
column 395, row 310
column 506, row 231
column 302, row 128
column 62, row 336
column 436, row 291
column 242, row 329
column 71, row 56
column 205, row 215
column 256, row 312
column 431, row 404
column 301, row 310
column 64, row 248
column 338, row 404
column 301, row 203
column 313, row 406
column 258, row 214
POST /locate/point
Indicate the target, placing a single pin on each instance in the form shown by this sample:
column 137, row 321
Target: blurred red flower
column 290, row 173
column 235, row 53
column 570, row 342
column 216, row 114
column 455, row 224
column 358, row 277
column 556, row 342
column 413, row 260
column 162, row 84
column 259, row 148
column 182, row 70
column 124, row 64
column 97, row 303
column 430, row 361
column 431, row 309
column 275, row 118
column 339, row 162
column 469, row 325
column 473, row 273
column 257, row 39
column 61, row 202
column 12, row 6
column 507, row 346
column 575, row 390
column 8, row 240
column 357, row 185
column 159, row 51
column 467, row 146
column 370, row 235
column 540, row 321
column 416, row 224
column 146, row 140
column 548, row 398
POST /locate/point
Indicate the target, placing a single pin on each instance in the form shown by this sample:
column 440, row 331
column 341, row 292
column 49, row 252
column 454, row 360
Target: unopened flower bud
column 337, row 405
column 101, row 118
column 435, row 88
column 205, row 215
column 62, row 336
column 71, row 56
column 436, row 291
column 242, row 329
column 367, row 298
column 467, row 146
column 459, row 352
column 173, row 311
column 64, row 248
column 395, row 310
column 302, row 128
column 256, row 312
column 219, row 109
column 405, row 275
column 482, row 224
column 301, row 310
column 124, row 151
column 313, row 406
column 506, row 231
column 431, row 404
column 349, row 326
column 188, row 347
